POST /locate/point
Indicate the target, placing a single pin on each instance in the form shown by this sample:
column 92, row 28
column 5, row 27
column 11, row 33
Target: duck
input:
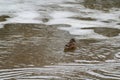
column 70, row 46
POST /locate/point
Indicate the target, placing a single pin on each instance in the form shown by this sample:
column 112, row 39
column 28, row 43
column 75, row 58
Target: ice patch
column 64, row 17
column 76, row 26
column 28, row 11
column 81, row 32
column 26, row 17
column 76, row 23
column 113, row 61
column 24, row 11
column 61, row 14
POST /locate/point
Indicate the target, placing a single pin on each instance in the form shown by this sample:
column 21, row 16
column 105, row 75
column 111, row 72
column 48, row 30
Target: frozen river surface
column 33, row 35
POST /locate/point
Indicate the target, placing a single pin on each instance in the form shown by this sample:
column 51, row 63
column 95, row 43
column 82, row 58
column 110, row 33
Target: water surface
column 33, row 35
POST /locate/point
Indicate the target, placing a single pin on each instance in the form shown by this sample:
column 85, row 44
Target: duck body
column 70, row 46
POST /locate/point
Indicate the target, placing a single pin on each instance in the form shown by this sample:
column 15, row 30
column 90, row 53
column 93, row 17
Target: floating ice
column 76, row 26
column 26, row 17
column 28, row 11
column 110, row 61
column 63, row 17
column 24, row 11
column 61, row 14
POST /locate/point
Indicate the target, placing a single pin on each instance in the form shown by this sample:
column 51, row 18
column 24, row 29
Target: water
column 33, row 35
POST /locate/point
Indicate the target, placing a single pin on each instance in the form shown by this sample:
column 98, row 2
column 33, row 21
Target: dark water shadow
column 31, row 45
column 101, row 4
column 4, row 18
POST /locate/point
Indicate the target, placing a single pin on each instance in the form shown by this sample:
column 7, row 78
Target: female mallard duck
column 70, row 46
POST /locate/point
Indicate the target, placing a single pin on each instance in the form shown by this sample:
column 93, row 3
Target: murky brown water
column 35, row 51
